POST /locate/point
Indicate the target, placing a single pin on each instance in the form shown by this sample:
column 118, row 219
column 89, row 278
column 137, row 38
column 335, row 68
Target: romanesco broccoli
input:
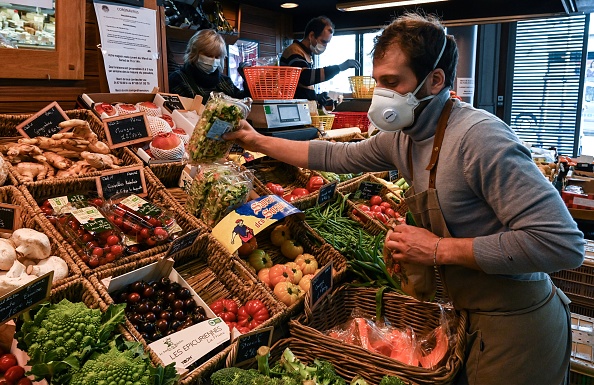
column 391, row 380
column 114, row 368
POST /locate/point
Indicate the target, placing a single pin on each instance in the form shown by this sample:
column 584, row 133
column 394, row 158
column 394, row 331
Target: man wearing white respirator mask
column 202, row 72
column 486, row 218
column 317, row 35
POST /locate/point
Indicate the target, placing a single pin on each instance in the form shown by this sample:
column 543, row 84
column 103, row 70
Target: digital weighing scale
column 285, row 118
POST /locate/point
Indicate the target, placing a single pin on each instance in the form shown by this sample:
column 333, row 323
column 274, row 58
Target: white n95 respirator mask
column 391, row 111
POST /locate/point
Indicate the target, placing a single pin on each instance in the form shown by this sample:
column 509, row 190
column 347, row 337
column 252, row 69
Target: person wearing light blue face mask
column 487, row 220
column 317, row 36
column 202, row 72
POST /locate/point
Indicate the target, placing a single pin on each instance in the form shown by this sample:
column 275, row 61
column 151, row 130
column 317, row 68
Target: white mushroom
column 57, row 264
column 14, row 278
column 31, row 244
column 7, row 254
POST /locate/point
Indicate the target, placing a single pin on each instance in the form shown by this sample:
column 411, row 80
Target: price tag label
column 321, row 285
column 25, row 297
column 248, row 344
column 183, row 242
column 392, row 175
column 10, row 218
column 367, row 189
column 44, row 123
column 127, row 181
column 126, row 130
column 218, row 128
column 172, row 102
column 326, row 193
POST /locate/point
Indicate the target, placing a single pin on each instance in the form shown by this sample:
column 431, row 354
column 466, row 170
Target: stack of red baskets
column 351, row 119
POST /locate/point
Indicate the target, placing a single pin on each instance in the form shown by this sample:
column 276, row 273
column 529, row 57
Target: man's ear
column 437, row 81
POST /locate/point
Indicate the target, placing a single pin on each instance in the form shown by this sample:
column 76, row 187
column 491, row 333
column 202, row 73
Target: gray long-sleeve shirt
column 488, row 188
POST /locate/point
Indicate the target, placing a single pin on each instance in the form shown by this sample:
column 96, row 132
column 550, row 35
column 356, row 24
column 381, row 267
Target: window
column 341, row 48
column 546, row 81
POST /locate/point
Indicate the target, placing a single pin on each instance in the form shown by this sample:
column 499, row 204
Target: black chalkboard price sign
column 367, row 189
column 25, row 297
column 326, row 193
column 183, row 242
column 126, row 181
column 248, row 344
column 10, row 218
column 172, row 102
column 392, row 175
column 126, row 130
column 44, row 123
column 321, row 285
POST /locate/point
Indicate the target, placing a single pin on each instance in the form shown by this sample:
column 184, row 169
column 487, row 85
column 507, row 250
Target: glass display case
column 42, row 39
column 28, row 26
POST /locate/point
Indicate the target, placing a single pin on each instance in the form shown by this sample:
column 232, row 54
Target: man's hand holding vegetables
column 406, row 243
column 488, row 220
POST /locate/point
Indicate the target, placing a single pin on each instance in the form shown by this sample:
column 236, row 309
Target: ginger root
column 82, row 130
column 78, row 168
column 100, row 161
column 31, row 171
column 20, row 152
column 58, row 161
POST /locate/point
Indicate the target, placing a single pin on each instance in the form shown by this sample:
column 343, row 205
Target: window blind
column 546, row 81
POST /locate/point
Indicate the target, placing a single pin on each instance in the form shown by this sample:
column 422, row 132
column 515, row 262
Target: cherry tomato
column 144, row 233
column 98, row 252
column 161, row 233
column 154, row 222
column 7, row 360
column 87, row 237
column 375, row 200
column 24, row 381
column 117, row 249
column 110, row 257
column 113, row 240
column 94, row 261
column 14, row 373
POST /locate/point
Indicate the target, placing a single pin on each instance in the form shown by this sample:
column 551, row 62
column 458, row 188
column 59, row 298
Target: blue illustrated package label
column 218, row 128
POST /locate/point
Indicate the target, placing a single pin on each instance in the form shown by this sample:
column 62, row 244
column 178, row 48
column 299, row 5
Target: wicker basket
column 156, row 194
column 32, row 220
column 401, row 311
column 578, row 283
column 271, row 170
column 272, row 82
column 582, row 349
column 362, row 86
column 351, row 119
column 7, row 129
column 322, row 121
column 312, row 244
column 212, row 272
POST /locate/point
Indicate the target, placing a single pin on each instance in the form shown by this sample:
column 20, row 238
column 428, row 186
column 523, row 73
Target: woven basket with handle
column 156, row 194
column 401, row 311
column 8, row 130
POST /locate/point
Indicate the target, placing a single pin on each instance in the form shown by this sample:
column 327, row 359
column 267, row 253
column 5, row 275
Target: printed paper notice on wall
column 465, row 87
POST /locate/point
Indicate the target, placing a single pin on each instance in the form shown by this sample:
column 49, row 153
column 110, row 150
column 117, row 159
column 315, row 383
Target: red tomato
column 275, row 188
column 290, row 197
column 314, row 183
column 360, row 215
column 377, row 209
column 252, row 314
column 299, row 192
column 7, row 361
column 113, row 240
column 14, row 374
column 385, row 204
column 364, row 207
column 24, row 381
column 375, row 200
column 225, row 308
column 381, row 217
column 390, row 213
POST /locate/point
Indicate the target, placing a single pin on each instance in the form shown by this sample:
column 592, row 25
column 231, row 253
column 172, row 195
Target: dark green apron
column 518, row 331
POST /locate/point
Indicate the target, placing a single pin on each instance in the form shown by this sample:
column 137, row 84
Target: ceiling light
column 289, row 5
column 376, row 4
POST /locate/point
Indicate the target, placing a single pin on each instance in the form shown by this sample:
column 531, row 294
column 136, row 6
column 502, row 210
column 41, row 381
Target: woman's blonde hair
column 206, row 42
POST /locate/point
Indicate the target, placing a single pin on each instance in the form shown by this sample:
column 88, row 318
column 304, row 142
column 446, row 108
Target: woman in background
column 202, row 72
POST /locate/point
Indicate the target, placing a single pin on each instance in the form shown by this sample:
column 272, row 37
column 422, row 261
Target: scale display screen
column 289, row 113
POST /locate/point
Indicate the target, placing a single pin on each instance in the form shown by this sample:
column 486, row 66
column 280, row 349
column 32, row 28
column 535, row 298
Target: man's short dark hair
column 317, row 25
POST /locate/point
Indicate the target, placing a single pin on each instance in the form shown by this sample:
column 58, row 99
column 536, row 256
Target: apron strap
column 438, row 141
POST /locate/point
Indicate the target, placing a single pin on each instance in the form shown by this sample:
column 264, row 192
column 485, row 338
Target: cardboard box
column 188, row 345
column 581, row 206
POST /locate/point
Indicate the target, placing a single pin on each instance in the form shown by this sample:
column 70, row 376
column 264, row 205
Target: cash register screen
column 288, row 113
